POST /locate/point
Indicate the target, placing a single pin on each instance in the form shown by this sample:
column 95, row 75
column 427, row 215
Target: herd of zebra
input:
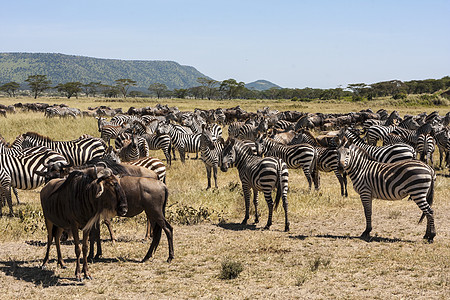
column 263, row 146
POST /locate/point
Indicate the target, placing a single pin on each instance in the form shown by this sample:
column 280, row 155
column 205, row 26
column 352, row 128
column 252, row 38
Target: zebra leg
column 440, row 159
column 182, row 155
column 308, row 176
column 246, row 191
column 341, row 181
column 344, row 178
column 268, row 196
column 423, row 203
column 16, row 194
column 431, row 231
column 208, row 175
column 366, row 199
column 316, row 179
column 168, row 156
column 255, row 203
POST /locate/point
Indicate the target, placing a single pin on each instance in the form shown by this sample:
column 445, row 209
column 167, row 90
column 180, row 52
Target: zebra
column 295, row 156
column 183, row 142
column 195, row 123
column 122, row 119
column 442, row 139
column 109, row 132
column 251, row 132
column 385, row 154
column 61, row 111
column 210, row 149
column 23, row 171
column 378, row 132
column 327, row 158
column 233, row 128
column 425, row 148
column 257, row 174
column 401, row 135
column 131, row 147
column 284, row 125
column 77, row 152
column 372, row 179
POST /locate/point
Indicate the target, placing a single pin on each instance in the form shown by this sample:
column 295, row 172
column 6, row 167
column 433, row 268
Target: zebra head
column 163, row 128
column 344, row 151
column 260, row 144
column 228, row 156
column 208, row 137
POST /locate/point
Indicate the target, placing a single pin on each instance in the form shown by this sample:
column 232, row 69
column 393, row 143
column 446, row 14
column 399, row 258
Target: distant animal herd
column 89, row 179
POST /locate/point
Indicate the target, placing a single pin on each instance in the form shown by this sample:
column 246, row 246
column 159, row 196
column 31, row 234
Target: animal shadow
column 237, row 226
column 376, row 239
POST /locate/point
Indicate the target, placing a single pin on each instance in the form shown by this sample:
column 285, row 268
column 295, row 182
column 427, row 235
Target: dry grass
column 321, row 258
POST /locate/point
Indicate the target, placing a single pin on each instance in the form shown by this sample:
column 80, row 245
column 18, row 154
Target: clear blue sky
column 294, row 44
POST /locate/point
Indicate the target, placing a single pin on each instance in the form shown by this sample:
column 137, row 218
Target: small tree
column 92, row 88
column 123, row 85
column 70, row 89
column 180, row 93
column 10, row 88
column 231, row 88
column 158, row 88
column 209, row 86
column 38, row 84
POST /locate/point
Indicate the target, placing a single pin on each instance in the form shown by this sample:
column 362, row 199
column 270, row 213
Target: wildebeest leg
column 268, row 196
column 366, row 200
column 208, row 175
column 168, row 229
column 148, row 232
column 246, row 191
column 85, row 271
column 215, row 175
column 16, row 194
column 58, row 234
column 50, row 229
column 255, row 203
column 76, row 240
column 94, row 238
column 111, row 233
column 155, row 242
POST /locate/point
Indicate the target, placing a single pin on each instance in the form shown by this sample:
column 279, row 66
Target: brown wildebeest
column 148, row 195
column 78, row 202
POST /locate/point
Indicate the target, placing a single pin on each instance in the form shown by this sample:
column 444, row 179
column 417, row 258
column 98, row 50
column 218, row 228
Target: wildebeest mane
column 116, row 168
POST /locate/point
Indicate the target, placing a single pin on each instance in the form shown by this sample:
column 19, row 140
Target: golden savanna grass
column 320, row 258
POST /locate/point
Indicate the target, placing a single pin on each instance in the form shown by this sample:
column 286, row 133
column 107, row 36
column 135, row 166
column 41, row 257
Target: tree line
column 230, row 89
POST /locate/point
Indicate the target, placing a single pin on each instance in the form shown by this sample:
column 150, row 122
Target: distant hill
column 261, row 85
column 61, row 68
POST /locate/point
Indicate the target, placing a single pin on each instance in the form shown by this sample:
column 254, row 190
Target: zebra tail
column 430, row 197
column 279, row 185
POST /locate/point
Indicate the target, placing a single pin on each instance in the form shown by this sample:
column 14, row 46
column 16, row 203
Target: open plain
column 321, row 257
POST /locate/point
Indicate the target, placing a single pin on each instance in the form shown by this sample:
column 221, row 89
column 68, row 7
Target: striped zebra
column 77, row 152
column 284, row 125
column 131, row 147
column 233, row 128
column 122, row 119
column 442, row 138
column 395, row 181
column 257, row 174
column 210, row 149
column 401, row 135
column 195, row 123
column 23, row 171
column 62, row 112
column 327, row 158
column 109, row 132
column 295, row 156
column 378, row 132
column 385, row 154
column 251, row 132
column 425, row 148
column 183, row 142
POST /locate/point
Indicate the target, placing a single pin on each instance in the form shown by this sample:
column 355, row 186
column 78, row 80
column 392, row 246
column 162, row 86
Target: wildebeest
column 78, row 202
column 148, row 195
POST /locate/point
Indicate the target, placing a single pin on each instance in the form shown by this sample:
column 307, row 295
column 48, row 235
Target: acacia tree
column 158, row 88
column 209, row 86
column 70, row 89
column 123, row 85
column 38, row 84
column 10, row 88
column 92, row 88
column 231, row 88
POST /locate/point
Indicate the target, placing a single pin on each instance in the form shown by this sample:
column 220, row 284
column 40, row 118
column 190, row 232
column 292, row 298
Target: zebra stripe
column 154, row 164
column 442, row 139
column 395, row 181
column 77, row 152
column 257, row 174
column 295, row 156
column 425, row 148
column 20, row 171
column 385, row 154
column 210, row 150
column 183, row 142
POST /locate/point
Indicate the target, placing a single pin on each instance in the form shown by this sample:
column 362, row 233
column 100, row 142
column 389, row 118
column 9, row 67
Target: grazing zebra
column 395, row 181
column 210, row 150
column 327, row 158
column 385, row 154
column 295, row 156
column 62, row 112
column 77, row 152
column 425, row 148
column 257, row 174
column 22, row 171
column 183, row 142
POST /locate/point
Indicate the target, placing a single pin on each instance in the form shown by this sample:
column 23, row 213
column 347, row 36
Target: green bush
column 230, row 269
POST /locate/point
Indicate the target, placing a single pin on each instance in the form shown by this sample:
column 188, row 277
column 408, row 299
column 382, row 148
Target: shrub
column 230, row 269
column 399, row 96
column 188, row 215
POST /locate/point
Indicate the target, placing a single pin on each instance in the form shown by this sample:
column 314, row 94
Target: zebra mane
column 3, row 142
column 309, row 134
column 38, row 136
